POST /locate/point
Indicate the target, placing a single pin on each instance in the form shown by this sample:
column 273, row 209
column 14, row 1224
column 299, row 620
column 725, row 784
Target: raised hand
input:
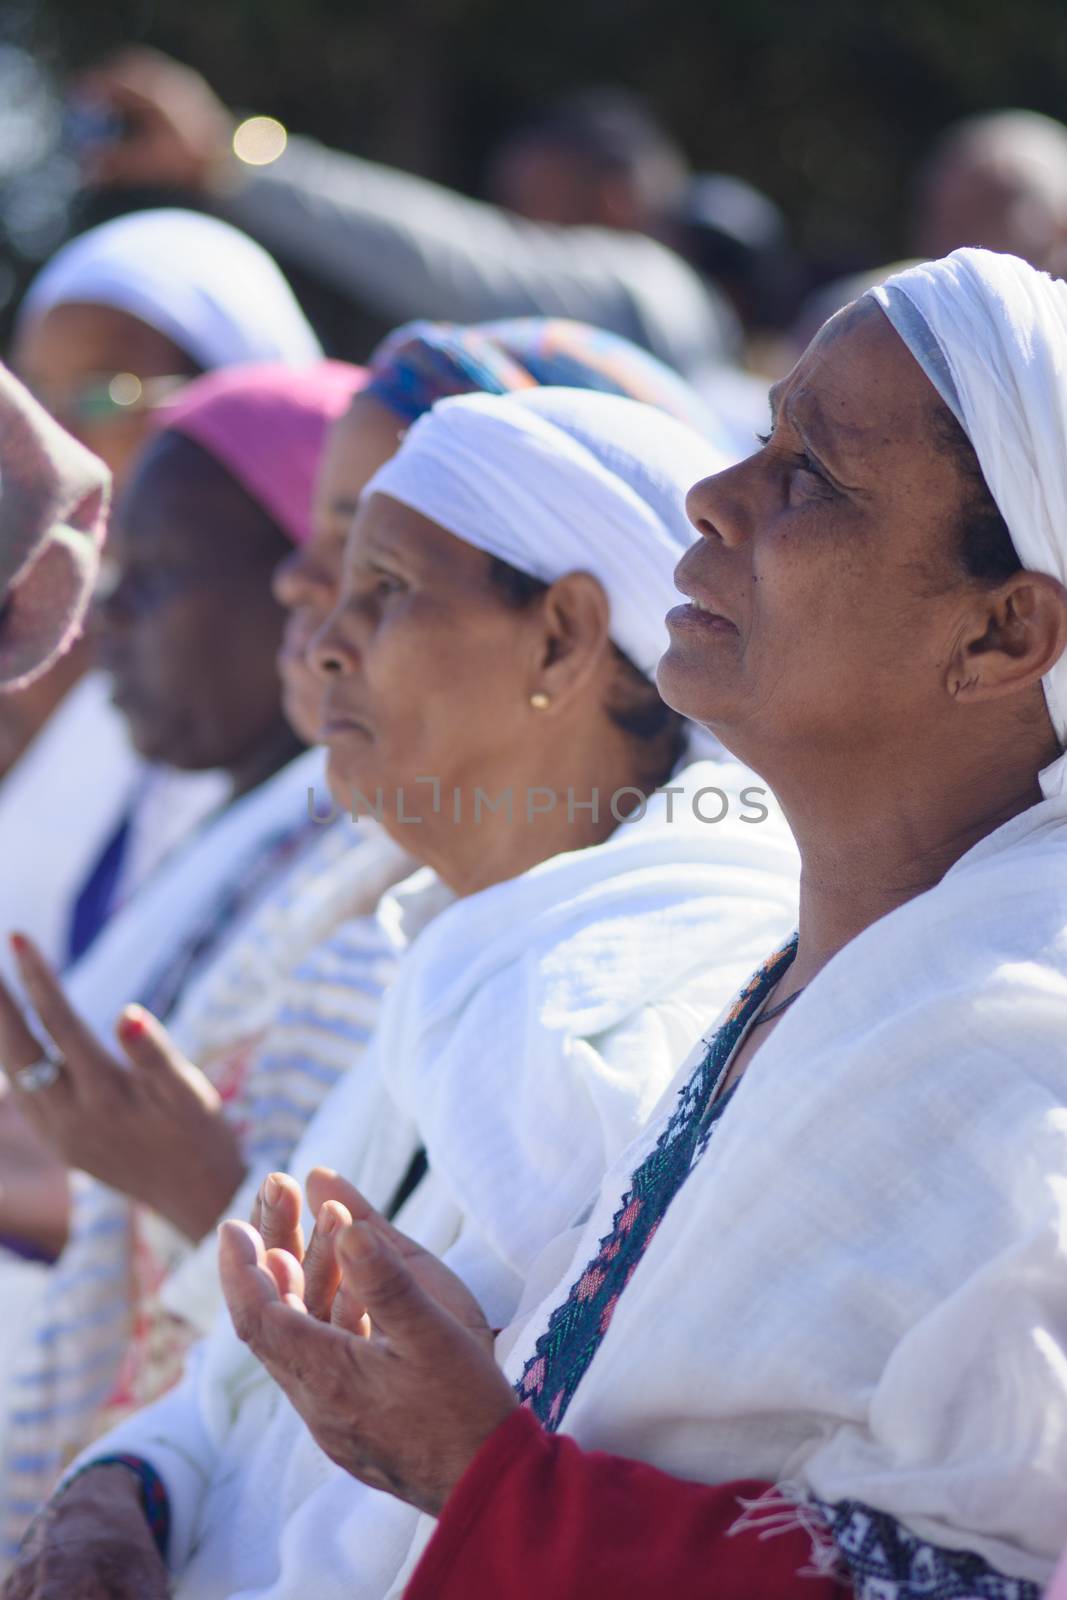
column 400, row 1387
column 178, row 131
column 155, row 1133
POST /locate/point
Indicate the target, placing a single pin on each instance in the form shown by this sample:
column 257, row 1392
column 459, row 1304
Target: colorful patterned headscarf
column 423, row 362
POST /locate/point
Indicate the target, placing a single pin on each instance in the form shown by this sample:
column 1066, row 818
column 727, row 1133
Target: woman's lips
column 700, row 616
column 336, row 726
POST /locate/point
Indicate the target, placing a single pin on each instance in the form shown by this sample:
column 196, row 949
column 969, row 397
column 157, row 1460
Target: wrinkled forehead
column 862, row 381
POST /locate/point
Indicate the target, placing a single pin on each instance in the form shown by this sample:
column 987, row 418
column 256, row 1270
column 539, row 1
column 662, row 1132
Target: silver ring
column 41, row 1075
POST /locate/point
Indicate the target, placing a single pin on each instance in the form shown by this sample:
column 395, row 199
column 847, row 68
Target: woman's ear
column 1018, row 633
column 574, row 636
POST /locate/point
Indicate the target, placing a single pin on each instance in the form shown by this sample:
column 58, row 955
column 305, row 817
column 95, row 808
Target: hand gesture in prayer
column 155, row 1133
column 384, row 1352
column 176, row 131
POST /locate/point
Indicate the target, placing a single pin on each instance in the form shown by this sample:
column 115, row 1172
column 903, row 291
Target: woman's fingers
column 288, row 1274
column 281, row 1207
column 324, row 1184
column 376, row 1276
column 19, row 1047
column 85, row 1061
column 322, row 1274
column 151, row 1051
column 247, row 1282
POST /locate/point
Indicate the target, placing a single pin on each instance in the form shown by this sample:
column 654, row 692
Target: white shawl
column 184, row 897
column 63, row 800
column 528, row 1034
column 59, row 805
column 862, row 1288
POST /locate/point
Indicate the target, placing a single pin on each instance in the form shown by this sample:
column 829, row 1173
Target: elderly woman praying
column 827, row 1282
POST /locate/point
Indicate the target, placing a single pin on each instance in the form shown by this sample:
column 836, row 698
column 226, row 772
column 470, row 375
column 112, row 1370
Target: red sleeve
column 537, row 1518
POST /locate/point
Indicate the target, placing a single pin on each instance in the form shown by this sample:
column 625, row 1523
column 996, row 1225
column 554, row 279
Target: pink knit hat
column 53, row 507
column 267, row 426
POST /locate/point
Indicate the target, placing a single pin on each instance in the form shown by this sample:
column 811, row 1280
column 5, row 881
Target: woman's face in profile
column 308, row 581
column 826, row 588
column 188, row 629
column 426, row 669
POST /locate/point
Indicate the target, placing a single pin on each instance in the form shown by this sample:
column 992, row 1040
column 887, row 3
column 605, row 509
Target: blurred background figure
column 216, row 498
column 118, row 320
column 597, row 159
column 189, row 633
column 129, row 311
column 999, row 181
column 53, row 502
column 589, row 178
column 740, row 238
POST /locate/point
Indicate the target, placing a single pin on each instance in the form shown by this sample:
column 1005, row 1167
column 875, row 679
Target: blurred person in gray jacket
column 583, row 191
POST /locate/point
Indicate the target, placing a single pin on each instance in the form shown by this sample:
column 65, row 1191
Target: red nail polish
column 132, row 1028
column 19, row 943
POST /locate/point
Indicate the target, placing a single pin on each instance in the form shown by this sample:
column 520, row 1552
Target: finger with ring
column 41, row 1075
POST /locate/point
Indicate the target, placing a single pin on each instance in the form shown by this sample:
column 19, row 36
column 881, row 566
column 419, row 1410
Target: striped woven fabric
column 285, row 1009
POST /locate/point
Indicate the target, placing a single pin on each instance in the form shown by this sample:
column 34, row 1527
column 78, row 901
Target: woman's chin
column 687, row 685
column 351, row 783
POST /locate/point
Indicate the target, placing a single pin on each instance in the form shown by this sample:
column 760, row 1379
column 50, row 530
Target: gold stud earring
column 540, row 701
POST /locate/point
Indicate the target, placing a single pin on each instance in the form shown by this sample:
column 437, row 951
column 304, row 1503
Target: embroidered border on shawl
column 875, row 1552
column 887, row 1562
column 577, row 1326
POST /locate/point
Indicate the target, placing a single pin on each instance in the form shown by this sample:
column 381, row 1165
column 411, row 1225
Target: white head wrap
column 563, row 480
column 208, row 287
column 990, row 332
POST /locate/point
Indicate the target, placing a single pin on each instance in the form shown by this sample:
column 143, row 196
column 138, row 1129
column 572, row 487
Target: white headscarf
column 990, row 332
column 563, row 480
column 208, row 287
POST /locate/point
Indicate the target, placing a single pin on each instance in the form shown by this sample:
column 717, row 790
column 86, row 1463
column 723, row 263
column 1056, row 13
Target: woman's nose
column 714, row 508
column 329, row 654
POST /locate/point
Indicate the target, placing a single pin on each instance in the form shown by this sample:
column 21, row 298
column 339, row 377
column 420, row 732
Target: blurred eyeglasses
column 107, row 396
